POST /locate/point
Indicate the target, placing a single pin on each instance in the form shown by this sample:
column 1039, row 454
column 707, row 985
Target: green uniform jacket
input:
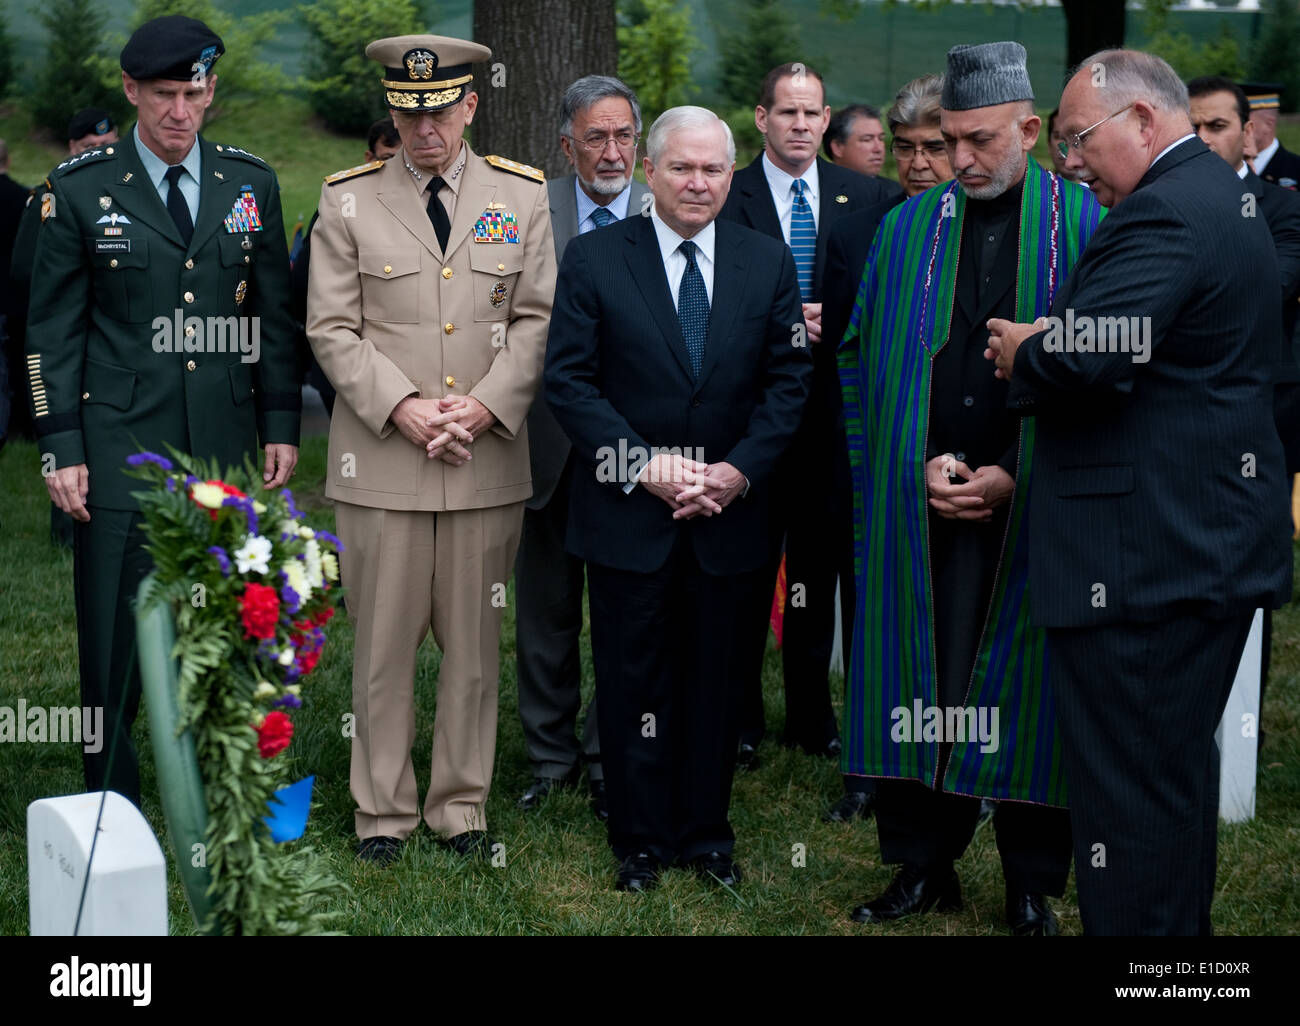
column 135, row 340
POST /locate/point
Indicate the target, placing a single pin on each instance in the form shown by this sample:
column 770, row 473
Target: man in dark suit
column 791, row 194
column 676, row 331
column 600, row 124
column 1145, row 573
column 923, row 162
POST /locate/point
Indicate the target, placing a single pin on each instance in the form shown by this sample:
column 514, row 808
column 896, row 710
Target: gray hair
column 1127, row 76
column 676, row 118
column 917, row 103
column 592, row 89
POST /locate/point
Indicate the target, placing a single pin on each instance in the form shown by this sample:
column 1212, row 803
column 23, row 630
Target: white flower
column 208, row 495
column 265, row 689
column 313, row 563
column 330, row 564
column 253, row 555
column 286, row 657
column 297, row 579
column 294, row 689
column 306, row 532
column 259, row 507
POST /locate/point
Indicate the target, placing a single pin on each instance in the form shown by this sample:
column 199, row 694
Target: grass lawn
column 559, row 872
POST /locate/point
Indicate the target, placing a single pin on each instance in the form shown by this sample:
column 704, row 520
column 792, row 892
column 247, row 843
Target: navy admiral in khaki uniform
column 428, row 304
column 161, row 225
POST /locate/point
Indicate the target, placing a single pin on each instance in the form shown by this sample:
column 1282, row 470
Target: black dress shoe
column 747, row 756
column 599, row 802
column 540, row 788
column 639, row 872
column 717, row 868
column 853, row 805
column 1029, row 914
column 471, row 842
column 379, row 850
column 912, row 890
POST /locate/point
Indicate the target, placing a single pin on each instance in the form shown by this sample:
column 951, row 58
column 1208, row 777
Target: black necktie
column 438, row 213
column 693, row 309
column 176, row 205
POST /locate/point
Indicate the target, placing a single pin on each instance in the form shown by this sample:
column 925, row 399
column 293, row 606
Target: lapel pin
column 127, row 177
column 219, row 175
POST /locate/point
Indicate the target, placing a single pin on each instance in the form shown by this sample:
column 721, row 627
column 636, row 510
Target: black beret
column 91, row 121
column 173, row 47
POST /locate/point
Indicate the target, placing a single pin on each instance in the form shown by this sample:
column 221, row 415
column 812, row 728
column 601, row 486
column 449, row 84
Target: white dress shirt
column 1265, row 155
column 675, row 260
column 587, row 206
column 1176, row 143
column 782, row 186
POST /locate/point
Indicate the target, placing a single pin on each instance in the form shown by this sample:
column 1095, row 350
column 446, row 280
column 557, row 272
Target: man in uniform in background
column 1272, row 161
column 432, row 276
column 161, row 225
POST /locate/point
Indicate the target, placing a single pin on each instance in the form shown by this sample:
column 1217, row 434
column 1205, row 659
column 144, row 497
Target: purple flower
column 331, row 538
column 171, row 484
column 223, row 560
column 287, row 701
column 136, row 459
column 190, row 481
column 245, row 504
column 289, row 597
column 288, row 499
column 291, row 674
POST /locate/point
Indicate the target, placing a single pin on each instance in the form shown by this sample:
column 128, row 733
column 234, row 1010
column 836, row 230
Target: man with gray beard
column 939, row 470
column 600, row 121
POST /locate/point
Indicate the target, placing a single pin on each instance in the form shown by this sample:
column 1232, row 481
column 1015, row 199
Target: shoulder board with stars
column 82, row 159
column 235, row 151
column 353, row 172
column 514, row 167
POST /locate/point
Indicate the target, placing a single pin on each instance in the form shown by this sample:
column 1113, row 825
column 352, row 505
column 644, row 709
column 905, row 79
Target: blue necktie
column 601, row 217
column 693, row 309
column 803, row 239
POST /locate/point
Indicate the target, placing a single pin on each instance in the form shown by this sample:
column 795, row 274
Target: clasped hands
column 444, row 427
column 976, row 498
column 690, row 487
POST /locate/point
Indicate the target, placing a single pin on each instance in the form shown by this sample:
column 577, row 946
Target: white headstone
column 1238, row 730
column 127, row 892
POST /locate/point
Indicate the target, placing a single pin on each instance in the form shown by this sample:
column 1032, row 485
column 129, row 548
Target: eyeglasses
column 1076, row 141
column 904, row 150
column 597, row 142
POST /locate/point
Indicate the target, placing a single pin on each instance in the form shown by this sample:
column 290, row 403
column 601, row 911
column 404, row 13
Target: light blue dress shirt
column 156, row 169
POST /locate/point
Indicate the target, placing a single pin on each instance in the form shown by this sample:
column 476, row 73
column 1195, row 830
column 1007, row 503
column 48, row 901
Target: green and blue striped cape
column 900, row 320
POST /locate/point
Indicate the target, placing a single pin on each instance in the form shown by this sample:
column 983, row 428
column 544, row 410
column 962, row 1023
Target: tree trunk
column 1091, row 25
column 538, row 48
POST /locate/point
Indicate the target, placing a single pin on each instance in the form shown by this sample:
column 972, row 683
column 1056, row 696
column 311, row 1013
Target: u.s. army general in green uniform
column 159, row 315
column 429, row 300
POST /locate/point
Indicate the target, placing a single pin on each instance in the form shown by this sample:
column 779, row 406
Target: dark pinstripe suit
column 1160, row 523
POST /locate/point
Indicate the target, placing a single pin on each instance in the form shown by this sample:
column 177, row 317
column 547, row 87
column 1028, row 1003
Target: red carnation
column 323, row 617
column 259, row 611
column 274, row 735
column 307, row 660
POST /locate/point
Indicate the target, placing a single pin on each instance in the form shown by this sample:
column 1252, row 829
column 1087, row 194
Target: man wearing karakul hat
column 947, row 693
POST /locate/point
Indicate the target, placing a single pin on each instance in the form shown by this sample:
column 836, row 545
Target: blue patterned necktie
column 601, row 217
column 693, row 309
column 803, row 239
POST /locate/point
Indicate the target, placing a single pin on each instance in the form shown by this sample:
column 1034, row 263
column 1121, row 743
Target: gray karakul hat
column 985, row 75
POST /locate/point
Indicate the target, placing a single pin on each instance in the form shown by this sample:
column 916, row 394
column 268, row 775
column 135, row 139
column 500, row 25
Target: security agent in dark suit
column 1147, row 575
column 600, row 125
column 675, row 331
column 161, row 225
column 1221, row 116
column 790, row 194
